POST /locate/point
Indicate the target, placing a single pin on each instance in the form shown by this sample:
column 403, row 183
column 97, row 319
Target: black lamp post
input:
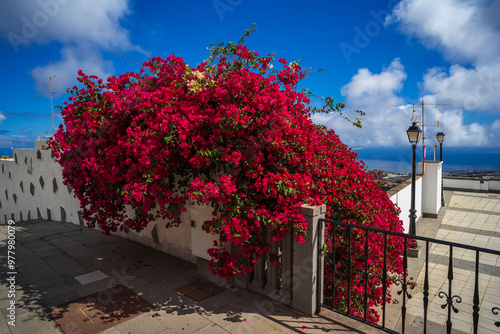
column 440, row 138
column 414, row 133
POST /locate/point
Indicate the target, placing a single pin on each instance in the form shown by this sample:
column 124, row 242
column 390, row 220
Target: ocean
column 398, row 159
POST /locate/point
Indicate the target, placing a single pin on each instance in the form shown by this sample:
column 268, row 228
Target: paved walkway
column 49, row 255
column 471, row 219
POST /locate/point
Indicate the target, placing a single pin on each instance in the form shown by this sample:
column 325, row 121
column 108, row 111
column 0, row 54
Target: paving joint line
column 484, row 212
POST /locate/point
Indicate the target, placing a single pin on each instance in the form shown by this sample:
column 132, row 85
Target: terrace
column 52, row 255
column 61, row 265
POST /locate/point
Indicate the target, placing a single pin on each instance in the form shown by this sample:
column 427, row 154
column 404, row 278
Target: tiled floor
column 470, row 219
column 49, row 255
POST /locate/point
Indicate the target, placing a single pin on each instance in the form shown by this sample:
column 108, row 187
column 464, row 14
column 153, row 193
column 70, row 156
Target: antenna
column 424, row 124
column 51, row 103
column 423, row 117
column 52, row 93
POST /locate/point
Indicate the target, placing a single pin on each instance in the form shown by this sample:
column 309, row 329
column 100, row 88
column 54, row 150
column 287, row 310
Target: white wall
column 431, row 196
column 494, row 185
column 401, row 196
column 34, row 167
column 186, row 241
column 200, row 240
column 472, row 184
column 174, row 240
column 31, row 185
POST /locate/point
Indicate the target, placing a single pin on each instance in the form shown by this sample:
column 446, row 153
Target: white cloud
column 452, row 123
column 2, row 117
column 476, row 89
column 466, row 33
column 83, row 57
column 68, row 21
column 83, row 28
column 388, row 116
column 386, row 119
column 372, row 88
column 495, row 131
column 461, row 30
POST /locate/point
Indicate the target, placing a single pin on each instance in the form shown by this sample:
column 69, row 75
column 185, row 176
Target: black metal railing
column 450, row 299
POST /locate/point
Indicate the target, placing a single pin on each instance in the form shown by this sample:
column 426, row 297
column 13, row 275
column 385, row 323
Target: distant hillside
column 474, row 173
column 390, row 179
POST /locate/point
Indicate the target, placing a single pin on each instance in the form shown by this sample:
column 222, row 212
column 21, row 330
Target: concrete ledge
column 402, row 185
column 471, row 178
column 311, row 211
column 472, row 190
column 414, row 252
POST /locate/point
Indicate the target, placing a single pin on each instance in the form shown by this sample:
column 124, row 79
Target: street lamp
column 440, row 138
column 414, row 133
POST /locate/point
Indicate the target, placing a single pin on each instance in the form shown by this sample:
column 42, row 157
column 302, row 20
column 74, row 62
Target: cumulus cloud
column 73, row 58
column 83, row 28
column 453, row 124
column 386, row 118
column 467, row 34
column 67, row 21
column 369, row 88
column 464, row 31
column 495, row 130
column 474, row 89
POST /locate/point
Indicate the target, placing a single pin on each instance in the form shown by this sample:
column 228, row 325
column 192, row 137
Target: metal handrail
column 412, row 236
column 448, row 296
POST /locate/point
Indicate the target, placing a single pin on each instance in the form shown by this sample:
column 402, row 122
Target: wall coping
column 437, row 162
column 471, row 178
column 391, row 192
column 312, row 210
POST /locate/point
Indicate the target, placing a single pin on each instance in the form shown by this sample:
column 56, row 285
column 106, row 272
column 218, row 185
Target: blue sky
column 377, row 56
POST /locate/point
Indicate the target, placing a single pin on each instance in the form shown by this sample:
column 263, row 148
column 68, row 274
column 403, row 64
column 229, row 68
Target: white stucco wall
column 200, row 240
column 31, row 185
column 174, row 240
column 22, row 197
column 472, row 184
column 431, row 183
column 494, row 185
column 401, row 196
column 186, row 241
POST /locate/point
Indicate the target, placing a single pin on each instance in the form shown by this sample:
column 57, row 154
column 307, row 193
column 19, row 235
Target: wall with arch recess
column 31, row 187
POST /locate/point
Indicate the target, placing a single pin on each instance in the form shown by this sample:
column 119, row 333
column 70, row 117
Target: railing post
column 273, row 281
column 259, row 270
column 286, row 267
column 307, row 289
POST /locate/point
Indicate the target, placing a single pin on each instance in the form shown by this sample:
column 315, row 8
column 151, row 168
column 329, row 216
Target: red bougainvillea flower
column 225, row 133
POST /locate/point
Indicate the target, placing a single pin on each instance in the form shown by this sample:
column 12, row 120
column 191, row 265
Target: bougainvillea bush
column 234, row 132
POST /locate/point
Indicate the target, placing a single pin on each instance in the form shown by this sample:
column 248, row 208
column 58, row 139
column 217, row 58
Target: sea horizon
column 398, row 159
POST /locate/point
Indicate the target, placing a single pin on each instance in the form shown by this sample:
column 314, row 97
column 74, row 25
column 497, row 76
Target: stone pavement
column 471, row 219
column 49, row 255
